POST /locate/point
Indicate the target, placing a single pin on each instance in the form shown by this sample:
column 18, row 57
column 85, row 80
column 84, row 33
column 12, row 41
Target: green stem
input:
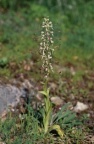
column 47, row 109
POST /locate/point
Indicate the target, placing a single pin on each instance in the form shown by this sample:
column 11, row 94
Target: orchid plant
column 46, row 50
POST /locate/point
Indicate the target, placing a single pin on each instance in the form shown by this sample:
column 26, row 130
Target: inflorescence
column 46, row 46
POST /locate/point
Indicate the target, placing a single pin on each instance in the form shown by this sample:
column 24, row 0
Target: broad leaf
column 58, row 129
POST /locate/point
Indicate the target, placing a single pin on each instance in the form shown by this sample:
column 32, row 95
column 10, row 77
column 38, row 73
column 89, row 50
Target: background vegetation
column 20, row 26
column 20, row 23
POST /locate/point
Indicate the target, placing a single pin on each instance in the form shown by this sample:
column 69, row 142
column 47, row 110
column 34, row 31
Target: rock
column 10, row 97
column 16, row 95
column 80, row 107
column 57, row 100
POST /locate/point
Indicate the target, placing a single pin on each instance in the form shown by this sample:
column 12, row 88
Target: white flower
column 46, row 44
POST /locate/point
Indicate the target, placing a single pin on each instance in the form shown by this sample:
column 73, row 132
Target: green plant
column 63, row 118
column 3, row 62
column 46, row 51
column 47, row 114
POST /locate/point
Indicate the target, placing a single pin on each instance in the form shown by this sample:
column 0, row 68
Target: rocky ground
column 67, row 86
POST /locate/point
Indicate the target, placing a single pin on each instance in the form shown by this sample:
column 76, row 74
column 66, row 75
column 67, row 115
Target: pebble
column 80, row 107
column 57, row 100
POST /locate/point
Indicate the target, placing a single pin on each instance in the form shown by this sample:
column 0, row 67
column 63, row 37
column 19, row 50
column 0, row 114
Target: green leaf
column 69, row 118
column 64, row 114
column 59, row 115
column 58, row 129
column 43, row 92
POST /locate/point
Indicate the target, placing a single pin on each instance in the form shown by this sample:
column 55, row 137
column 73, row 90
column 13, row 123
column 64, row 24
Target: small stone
column 72, row 96
column 27, row 84
column 92, row 139
column 57, row 100
column 53, row 86
column 27, row 67
column 80, row 107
